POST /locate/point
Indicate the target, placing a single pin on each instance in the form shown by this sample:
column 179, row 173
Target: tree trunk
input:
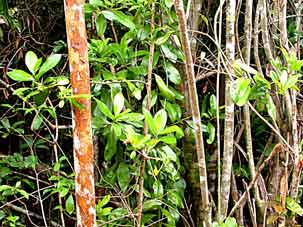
column 82, row 132
column 194, row 103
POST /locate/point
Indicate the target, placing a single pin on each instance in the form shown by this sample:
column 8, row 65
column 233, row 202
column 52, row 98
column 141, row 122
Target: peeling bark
column 82, row 132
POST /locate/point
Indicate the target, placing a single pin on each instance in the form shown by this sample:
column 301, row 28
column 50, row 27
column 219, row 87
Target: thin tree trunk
column 148, row 107
column 297, row 166
column 249, row 144
column 195, row 113
column 82, row 132
column 229, row 110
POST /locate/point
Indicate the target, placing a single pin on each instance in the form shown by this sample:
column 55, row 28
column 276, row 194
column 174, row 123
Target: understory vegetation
column 161, row 76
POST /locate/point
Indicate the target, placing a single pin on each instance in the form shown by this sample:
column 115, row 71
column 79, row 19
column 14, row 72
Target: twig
column 30, row 213
column 275, row 151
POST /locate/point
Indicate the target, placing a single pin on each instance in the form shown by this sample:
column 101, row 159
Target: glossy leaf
column 240, row 91
column 164, row 90
column 150, row 122
column 119, row 17
column 172, row 73
column 123, row 176
column 104, row 109
column 70, row 205
column 118, row 103
column 271, row 108
column 100, row 25
column 20, row 75
column 31, row 61
column 49, row 64
column 160, row 120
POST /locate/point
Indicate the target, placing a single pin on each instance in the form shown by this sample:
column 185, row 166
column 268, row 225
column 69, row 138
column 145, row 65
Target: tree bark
column 229, row 110
column 82, row 132
column 194, row 103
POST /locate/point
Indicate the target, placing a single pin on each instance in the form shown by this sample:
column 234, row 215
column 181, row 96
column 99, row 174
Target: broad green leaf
column 169, row 153
column 104, row 201
column 271, row 108
column 174, row 198
column 160, row 120
column 168, row 53
column 172, row 73
column 171, row 129
column 100, row 25
column 161, row 40
column 37, row 121
column 31, row 61
column 123, row 176
column 211, row 133
column 111, row 146
column 151, row 204
column 213, row 105
column 104, row 109
column 49, row 64
column 20, row 75
column 164, row 90
column 293, row 206
column 130, row 117
column 158, row 188
column 119, row 17
column 292, row 81
column 150, row 123
column 168, row 140
column 283, row 78
column 70, row 204
column 240, row 91
column 118, row 103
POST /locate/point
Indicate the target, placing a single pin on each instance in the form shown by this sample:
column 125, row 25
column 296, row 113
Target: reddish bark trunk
column 80, row 80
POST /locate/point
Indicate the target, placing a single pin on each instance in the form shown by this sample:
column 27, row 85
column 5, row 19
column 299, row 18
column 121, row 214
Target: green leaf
column 213, row 105
column 104, row 201
column 36, row 123
column 111, row 146
column 168, row 53
column 150, row 122
column 100, row 25
column 31, row 61
column 158, row 188
column 168, row 3
column 70, row 205
column 169, row 153
column 172, row 73
column 151, row 204
column 123, row 175
column 240, row 91
column 104, row 109
column 118, row 103
column 179, row 132
column 161, row 40
column 211, row 130
column 49, row 64
column 291, row 82
column 293, row 206
column 168, row 140
column 231, row 222
column 164, row 90
column 120, row 17
column 271, row 108
column 160, row 120
column 20, row 75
